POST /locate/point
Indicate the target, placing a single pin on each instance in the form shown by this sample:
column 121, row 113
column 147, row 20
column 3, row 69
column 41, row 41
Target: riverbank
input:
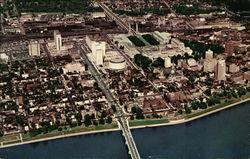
column 185, row 120
column 154, row 123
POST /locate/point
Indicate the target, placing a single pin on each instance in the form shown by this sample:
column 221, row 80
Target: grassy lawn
column 212, row 108
column 21, row 55
column 150, row 39
column 136, row 41
column 147, row 122
column 8, row 138
column 26, row 137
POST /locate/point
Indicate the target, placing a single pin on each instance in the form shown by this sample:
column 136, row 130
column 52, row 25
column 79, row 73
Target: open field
column 15, row 139
column 147, row 122
column 26, row 137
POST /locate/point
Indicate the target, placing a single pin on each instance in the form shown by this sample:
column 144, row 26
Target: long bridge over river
column 120, row 115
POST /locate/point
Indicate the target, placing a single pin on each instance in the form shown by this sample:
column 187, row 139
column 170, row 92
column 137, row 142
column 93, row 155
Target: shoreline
column 171, row 122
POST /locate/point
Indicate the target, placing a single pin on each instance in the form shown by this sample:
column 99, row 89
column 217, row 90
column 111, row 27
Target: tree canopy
column 64, row 6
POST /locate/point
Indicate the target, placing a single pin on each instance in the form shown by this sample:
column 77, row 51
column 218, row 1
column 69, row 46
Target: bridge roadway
column 176, row 15
column 118, row 20
column 120, row 114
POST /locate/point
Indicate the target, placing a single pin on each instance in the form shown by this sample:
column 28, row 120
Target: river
column 223, row 135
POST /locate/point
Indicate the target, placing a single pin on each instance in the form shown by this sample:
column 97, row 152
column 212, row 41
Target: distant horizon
column 239, row 5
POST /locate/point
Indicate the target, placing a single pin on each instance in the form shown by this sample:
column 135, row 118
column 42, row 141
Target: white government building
column 98, row 50
column 117, row 63
column 74, row 67
column 162, row 37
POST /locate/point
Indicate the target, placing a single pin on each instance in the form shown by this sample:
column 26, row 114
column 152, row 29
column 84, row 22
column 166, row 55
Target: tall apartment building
column 167, row 62
column 229, row 48
column 209, row 54
column 34, row 48
column 58, row 40
column 209, row 63
column 220, row 72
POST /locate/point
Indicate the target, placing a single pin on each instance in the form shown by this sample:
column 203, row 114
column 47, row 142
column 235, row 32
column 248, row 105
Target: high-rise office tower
column 58, row 40
column 220, row 72
column 34, row 48
column 209, row 54
column 229, row 48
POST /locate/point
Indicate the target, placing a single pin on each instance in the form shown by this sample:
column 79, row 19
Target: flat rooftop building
column 162, row 37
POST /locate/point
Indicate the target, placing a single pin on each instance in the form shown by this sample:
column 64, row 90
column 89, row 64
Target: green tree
column 104, row 114
column 132, row 117
column 159, row 62
column 248, row 89
column 134, row 110
column 180, row 111
column 87, row 120
column 34, row 132
column 61, row 70
column 188, row 110
column 195, row 105
column 92, row 116
column 101, row 121
column 142, row 61
column 208, row 92
column 74, row 124
column 202, row 105
column 78, row 116
column 241, row 91
column 139, row 113
column 113, row 107
column 109, row 120
column 95, row 122
column 174, row 59
column 20, row 119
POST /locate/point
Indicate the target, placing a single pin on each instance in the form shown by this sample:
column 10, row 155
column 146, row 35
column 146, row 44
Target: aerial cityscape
column 78, row 67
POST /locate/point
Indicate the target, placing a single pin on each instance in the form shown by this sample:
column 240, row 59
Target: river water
column 223, row 135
